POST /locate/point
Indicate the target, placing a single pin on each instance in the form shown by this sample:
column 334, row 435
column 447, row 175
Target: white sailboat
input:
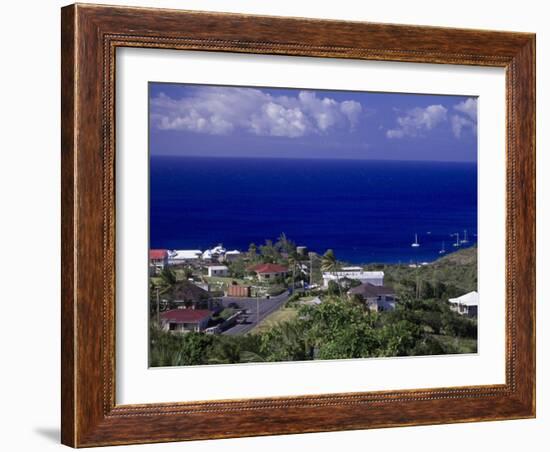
column 442, row 250
column 415, row 244
column 465, row 239
column 457, row 244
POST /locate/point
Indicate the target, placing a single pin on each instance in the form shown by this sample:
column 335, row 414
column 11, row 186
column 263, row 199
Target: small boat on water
column 465, row 239
column 442, row 250
column 457, row 243
column 415, row 244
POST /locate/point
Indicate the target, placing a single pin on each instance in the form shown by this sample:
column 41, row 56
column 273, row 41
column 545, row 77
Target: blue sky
column 231, row 121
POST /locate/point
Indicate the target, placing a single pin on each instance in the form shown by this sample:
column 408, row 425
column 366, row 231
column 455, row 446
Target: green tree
column 252, row 251
column 293, row 262
column 330, row 264
column 268, row 252
column 237, row 268
column 285, row 342
column 167, row 276
column 167, row 349
column 187, row 272
column 339, row 329
column 285, row 245
column 225, row 351
column 399, row 338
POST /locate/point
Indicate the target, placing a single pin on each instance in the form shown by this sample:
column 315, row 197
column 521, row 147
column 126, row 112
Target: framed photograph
column 281, row 225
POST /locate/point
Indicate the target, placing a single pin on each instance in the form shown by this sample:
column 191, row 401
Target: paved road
column 266, row 305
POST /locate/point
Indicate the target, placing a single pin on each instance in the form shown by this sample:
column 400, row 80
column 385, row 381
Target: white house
column 213, row 253
column 176, row 257
column 230, row 256
column 466, row 304
column 218, row 270
column 158, row 259
column 374, row 278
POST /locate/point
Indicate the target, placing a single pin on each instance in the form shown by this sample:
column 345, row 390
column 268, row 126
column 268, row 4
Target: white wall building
column 176, row 257
column 214, row 253
column 230, row 256
column 466, row 304
column 374, row 278
column 218, row 270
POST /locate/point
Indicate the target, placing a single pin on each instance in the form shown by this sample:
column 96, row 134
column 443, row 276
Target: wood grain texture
column 90, row 36
column 67, row 224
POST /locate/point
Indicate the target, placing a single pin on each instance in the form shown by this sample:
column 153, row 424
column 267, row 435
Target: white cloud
column 418, row 120
column 460, row 122
column 276, row 120
column 352, row 110
column 468, row 107
column 221, row 110
column 468, row 119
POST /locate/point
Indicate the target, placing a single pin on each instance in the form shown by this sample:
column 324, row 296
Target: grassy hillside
column 465, row 256
column 452, row 275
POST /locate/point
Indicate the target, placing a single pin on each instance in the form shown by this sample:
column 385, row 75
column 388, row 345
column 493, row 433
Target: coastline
column 367, row 211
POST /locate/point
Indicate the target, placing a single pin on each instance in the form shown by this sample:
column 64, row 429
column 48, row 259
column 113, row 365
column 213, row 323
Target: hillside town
column 233, row 293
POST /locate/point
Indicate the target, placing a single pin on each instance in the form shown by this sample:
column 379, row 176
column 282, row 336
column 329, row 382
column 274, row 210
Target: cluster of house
column 371, row 290
column 193, row 308
column 263, row 272
column 160, row 258
column 378, row 297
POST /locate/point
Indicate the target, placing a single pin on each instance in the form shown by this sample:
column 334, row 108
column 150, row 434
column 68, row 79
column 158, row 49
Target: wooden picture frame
column 90, row 36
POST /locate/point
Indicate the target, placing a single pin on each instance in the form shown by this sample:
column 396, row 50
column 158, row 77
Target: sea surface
column 366, row 211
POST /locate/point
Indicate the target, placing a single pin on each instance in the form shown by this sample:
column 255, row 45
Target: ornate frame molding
column 90, row 36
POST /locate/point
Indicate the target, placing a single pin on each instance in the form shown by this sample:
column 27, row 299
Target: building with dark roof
column 186, row 293
column 376, row 298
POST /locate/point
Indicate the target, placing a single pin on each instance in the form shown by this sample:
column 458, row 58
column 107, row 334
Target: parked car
column 213, row 330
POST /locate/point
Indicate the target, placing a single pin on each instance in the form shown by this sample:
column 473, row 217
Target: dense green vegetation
column 340, row 327
column 337, row 328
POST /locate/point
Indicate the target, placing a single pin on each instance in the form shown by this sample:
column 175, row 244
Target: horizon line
column 309, row 158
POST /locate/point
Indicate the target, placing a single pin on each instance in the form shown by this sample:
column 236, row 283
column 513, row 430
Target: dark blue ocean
column 366, row 211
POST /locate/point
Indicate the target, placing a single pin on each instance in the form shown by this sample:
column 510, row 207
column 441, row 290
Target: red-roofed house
column 158, row 259
column 267, row 272
column 184, row 320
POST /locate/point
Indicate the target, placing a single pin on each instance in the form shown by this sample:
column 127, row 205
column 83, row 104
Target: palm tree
column 268, row 252
column 285, row 245
column 168, row 277
column 330, row 264
column 252, row 250
column 225, row 353
column 294, row 263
